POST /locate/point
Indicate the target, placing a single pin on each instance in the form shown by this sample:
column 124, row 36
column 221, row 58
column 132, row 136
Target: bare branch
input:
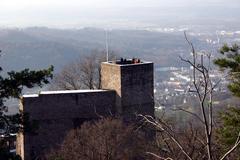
column 150, row 120
column 237, row 143
column 190, row 43
column 189, row 62
column 158, row 157
column 193, row 114
column 203, row 89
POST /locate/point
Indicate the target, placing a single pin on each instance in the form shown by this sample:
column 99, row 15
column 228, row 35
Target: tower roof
column 123, row 62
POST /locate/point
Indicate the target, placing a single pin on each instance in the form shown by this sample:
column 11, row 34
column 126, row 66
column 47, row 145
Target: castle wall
column 57, row 113
column 128, row 92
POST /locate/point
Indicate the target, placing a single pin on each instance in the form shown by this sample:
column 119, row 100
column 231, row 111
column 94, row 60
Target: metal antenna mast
column 106, row 40
column 218, row 37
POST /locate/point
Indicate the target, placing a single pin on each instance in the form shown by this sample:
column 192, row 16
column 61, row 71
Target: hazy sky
column 73, row 13
column 21, row 4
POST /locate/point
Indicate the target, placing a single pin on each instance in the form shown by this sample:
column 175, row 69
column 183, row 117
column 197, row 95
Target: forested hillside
column 40, row 47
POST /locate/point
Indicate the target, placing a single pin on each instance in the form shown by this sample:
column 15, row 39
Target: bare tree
column 68, row 78
column 83, row 73
column 203, row 87
column 106, row 139
column 88, row 67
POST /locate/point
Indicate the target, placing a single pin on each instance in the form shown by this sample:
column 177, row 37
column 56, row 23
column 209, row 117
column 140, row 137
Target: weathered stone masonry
column 127, row 90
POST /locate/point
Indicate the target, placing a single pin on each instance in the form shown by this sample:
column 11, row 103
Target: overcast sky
column 19, row 4
column 72, row 13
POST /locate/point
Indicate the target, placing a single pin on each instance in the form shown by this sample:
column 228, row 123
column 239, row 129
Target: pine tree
column 11, row 86
column 231, row 62
column 230, row 118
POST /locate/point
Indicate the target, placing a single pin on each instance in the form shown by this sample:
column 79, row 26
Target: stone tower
column 133, row 82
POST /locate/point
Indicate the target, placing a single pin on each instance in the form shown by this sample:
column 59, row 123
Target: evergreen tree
column 11, row 86
column 231, row 62
column 230, row 118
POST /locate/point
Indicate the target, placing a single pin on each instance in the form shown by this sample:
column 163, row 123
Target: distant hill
column 40, row 47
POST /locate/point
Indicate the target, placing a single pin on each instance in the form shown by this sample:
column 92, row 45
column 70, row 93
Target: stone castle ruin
column 127, row 90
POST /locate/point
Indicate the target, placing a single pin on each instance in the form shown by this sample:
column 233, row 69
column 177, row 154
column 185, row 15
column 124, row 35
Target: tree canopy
column 230, row 118
column 231, row 62
column 82, row 73
column 106, row 139
column 11, row 86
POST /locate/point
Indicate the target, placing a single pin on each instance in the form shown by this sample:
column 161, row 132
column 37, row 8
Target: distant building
column 127, row 90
